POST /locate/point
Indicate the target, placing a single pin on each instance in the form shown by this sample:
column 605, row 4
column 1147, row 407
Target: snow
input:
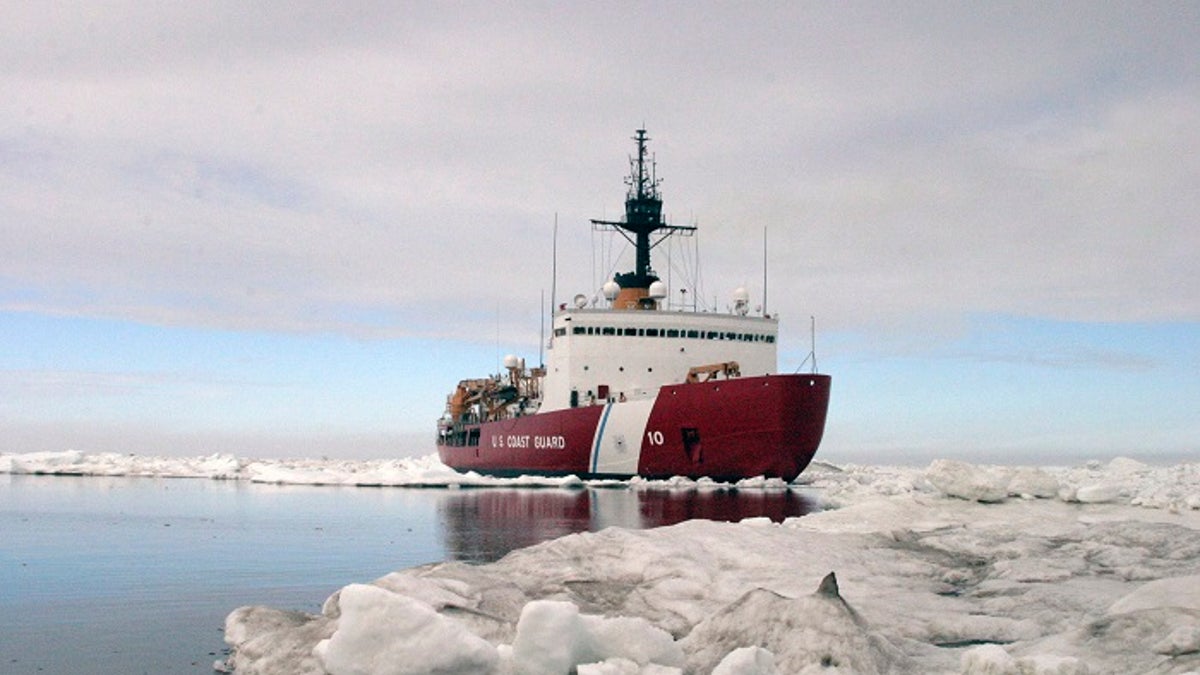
column 950, row 568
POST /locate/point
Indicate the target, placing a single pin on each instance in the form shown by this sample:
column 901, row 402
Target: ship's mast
column 643, row 219
column 643, row 206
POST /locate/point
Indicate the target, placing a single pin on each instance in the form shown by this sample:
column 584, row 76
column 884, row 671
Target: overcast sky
column 291, row 228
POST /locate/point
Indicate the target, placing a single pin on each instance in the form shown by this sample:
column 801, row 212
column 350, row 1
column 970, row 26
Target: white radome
column 741, row 301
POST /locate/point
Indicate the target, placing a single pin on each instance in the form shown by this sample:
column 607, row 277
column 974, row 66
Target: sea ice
column 953, row 568
column 746, row 661
column 965, row 481
column 929, row 583
column 553, row 637
column 384, row 633
column 819, row 633
column 988, row 660
column 425, row 471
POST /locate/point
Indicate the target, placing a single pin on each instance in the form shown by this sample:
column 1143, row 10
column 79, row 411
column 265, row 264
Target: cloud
column 388, row 170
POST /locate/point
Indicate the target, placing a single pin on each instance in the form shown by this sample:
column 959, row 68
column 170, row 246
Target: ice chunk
column 989, row 660
column 1119, row 465
column 619, row 666
column 746, row 661
column 633, row 638
column 551, row 639
column 965, row 481
column 437, row 593
column 268, row 641
column 1028, row 481
column 1132, row 641
column 1181, row 640
column 554, row 637
column 757, row 521
column 382, row 633
column 816, row 632
column 1181, row 592
column 1099, row 493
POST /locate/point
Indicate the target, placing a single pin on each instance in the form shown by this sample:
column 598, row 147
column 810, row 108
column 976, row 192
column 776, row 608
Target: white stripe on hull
column 617, row 444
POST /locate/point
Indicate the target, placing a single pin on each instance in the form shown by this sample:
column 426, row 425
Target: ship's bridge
column 601, row 355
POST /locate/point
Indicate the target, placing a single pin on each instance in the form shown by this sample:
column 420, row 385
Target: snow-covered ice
column 952, row 568
column 407, row 472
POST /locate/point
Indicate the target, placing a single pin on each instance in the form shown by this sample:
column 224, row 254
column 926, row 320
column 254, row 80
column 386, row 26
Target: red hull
column 726, row 430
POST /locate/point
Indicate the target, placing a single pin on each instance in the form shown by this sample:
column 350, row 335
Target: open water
column 136, row 575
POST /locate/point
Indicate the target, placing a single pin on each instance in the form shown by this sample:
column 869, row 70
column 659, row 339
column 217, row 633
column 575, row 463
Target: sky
column 289, row 229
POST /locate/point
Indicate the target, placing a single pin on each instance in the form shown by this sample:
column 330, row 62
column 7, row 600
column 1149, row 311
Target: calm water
column 136, row 575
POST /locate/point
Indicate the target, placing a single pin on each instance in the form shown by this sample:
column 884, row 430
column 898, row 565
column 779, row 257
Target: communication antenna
column 542, row 332
column 553, row 275
column 764, row 305
column 812, row 341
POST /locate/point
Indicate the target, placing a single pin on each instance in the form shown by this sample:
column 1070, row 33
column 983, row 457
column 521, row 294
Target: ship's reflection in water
column 482, row 525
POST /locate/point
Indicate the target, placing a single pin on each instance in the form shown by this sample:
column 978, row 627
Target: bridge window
column 629, row 331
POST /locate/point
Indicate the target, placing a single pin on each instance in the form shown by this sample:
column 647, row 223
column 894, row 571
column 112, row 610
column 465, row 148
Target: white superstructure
column 599, row 355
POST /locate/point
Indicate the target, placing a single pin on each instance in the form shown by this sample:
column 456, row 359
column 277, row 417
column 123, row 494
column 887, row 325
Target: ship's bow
column 730, row 429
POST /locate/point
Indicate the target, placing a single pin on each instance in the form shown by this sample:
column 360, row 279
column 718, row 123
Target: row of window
column 667, row 333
